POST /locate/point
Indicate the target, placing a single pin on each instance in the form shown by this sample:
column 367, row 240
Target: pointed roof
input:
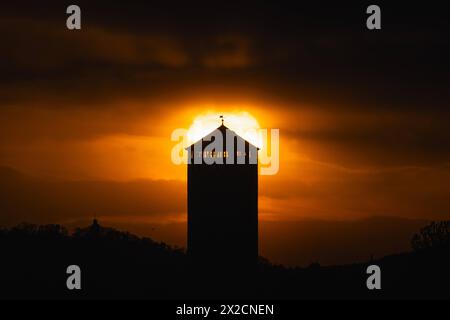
column 223, row 129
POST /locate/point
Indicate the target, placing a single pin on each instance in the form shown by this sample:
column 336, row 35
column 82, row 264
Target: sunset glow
column 243, row 123
column 351, row 124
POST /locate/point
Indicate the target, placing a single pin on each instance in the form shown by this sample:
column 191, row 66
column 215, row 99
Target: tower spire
column 221, row 118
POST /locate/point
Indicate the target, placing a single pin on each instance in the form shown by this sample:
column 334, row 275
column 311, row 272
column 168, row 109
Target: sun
column 243, row 123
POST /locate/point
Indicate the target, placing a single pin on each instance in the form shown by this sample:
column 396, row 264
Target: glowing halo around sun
column 243, row 123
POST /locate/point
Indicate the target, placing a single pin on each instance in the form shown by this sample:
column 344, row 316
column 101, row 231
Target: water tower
column 223, row 199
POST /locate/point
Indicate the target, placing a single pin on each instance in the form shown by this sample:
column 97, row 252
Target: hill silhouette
column 118, row 264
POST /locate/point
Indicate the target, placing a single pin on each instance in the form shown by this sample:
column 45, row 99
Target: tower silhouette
column 223, row 200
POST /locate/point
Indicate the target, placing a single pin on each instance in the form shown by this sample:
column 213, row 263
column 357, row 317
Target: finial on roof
column 221, row 117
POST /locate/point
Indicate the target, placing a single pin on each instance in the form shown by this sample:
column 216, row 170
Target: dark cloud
column 382, row 137
column 287, row 51
column 27, row 199
column 419, row 192
column 287, row 55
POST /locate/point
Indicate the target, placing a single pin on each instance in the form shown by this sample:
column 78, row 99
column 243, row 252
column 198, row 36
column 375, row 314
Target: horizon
column 87, row 117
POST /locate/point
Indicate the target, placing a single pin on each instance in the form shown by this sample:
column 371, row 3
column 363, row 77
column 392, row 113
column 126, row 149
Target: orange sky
column 86, row 117
column 317, row 179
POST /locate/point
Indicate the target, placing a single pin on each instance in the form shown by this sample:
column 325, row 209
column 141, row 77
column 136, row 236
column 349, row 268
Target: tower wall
column 223, row 213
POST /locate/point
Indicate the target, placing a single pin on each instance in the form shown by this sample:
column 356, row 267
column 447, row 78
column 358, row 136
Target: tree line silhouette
column 118, row 264
column 436, row 235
